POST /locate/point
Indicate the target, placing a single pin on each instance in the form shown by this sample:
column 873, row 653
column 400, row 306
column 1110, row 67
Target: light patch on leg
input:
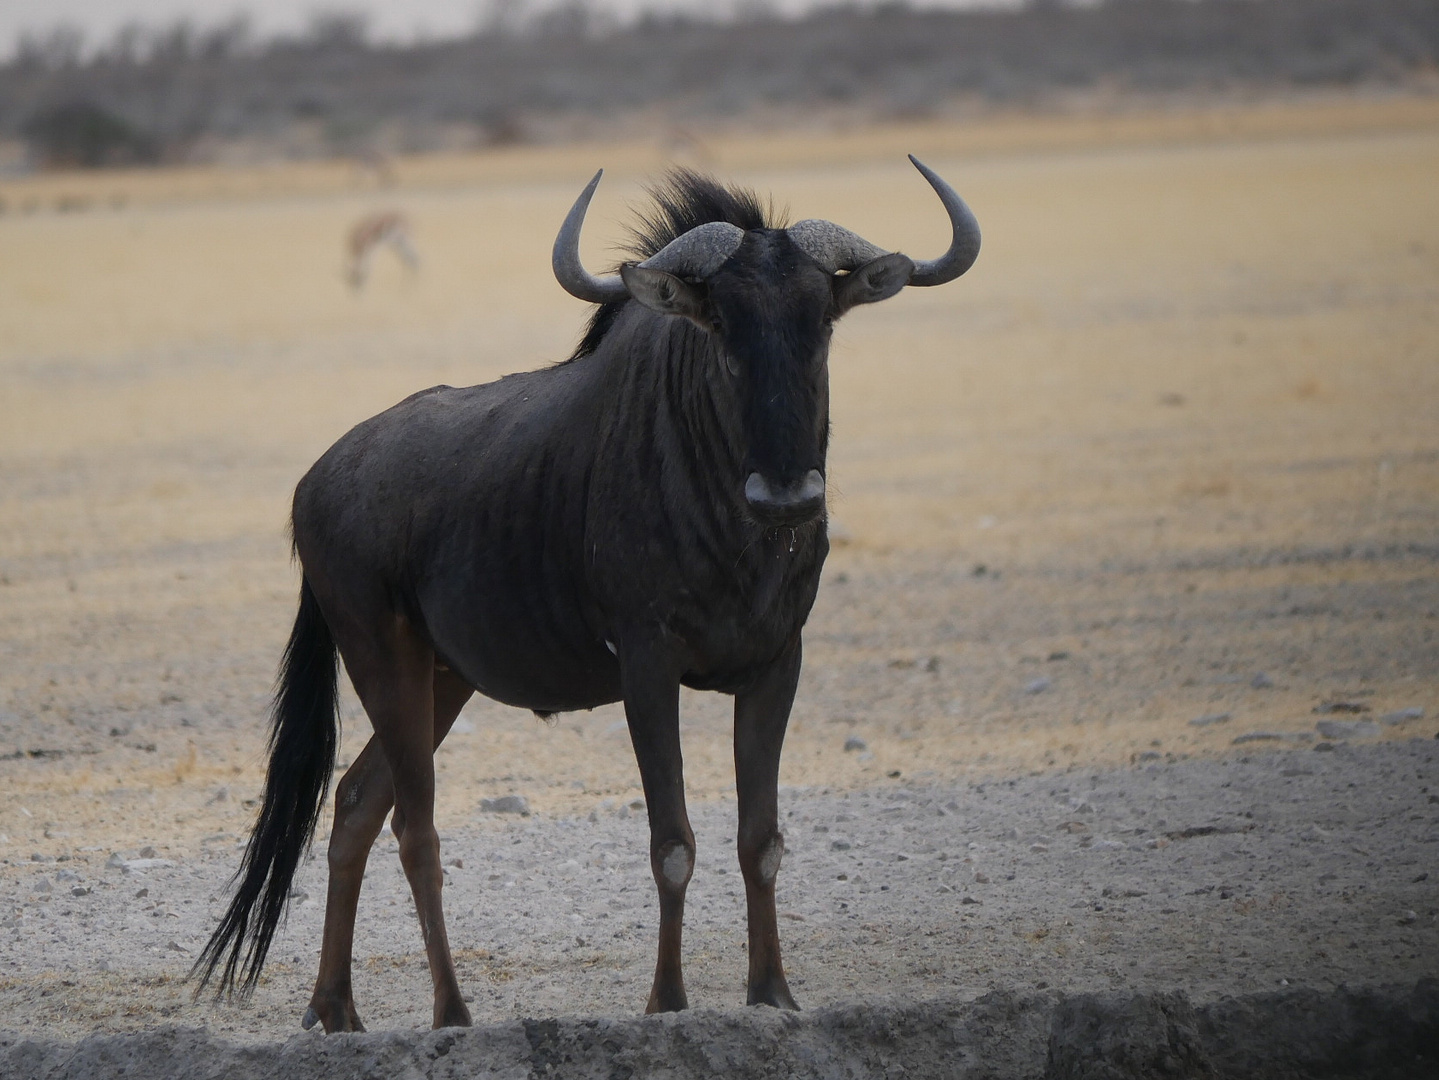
column 677, row 865
column 770, row 856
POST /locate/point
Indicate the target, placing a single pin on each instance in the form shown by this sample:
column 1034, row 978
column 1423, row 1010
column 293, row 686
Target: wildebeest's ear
column 666, row 294
column 876, row 280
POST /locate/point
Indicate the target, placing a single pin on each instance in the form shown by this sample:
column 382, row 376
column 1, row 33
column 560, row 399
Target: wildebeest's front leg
column 362, row 799
column 651, row 691
column 761, row 713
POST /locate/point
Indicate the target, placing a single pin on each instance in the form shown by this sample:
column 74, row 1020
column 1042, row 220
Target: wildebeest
column 648, row 514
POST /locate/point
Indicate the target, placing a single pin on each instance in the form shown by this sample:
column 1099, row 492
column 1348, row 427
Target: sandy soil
column 1173, row 433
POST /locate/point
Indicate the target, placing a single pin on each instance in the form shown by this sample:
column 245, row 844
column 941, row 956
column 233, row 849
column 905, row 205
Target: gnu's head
column 769, row 296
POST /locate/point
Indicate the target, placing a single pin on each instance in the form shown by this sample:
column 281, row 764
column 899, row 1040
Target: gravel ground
column 1310, row 867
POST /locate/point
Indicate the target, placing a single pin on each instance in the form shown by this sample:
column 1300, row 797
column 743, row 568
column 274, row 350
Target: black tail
column 302, row 756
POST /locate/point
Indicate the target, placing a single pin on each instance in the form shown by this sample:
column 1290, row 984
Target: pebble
column 981, row 878
column 854, row 742
column 147, row 852
column 1402, row 716
column 41, row 885
column 80, row 890
column 1261, row 681
column 130, row 866
column 1409, row 918
column 1347, row 729
column 839, row 845
column 1257, row 736
column 506, row 804
column 1209, row 719
column 1037, row 686
column 1330, row 707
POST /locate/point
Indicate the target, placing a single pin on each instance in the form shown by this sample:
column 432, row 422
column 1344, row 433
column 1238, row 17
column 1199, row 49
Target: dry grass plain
column 1178, row 427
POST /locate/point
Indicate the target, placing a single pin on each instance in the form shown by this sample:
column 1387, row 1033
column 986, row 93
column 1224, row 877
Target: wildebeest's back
column 463, row 509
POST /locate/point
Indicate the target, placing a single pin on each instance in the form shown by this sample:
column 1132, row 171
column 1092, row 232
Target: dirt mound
column 1370, row 1032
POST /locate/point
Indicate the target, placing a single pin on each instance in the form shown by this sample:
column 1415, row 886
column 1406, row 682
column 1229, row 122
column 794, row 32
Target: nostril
column 798, row 500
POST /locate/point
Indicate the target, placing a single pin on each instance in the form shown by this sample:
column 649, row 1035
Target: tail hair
column 303, row 739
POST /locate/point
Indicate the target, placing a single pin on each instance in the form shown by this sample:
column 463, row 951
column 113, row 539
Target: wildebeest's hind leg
column 362, row 798
column 651, row 694
column 393, row 670
column 761, row 713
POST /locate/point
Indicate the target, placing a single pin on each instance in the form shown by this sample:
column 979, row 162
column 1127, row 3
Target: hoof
column 343, row 1018
column 669, row 1002
column 455, row 1015
column 776, row 995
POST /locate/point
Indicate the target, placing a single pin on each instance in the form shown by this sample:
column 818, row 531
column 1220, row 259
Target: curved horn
column 963, row 246
column 569, row 271
column 834, row 247
column 699, row 252
column 695, row 254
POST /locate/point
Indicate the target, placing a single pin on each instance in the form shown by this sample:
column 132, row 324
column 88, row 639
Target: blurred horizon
column 100, row 24
column 530, row 72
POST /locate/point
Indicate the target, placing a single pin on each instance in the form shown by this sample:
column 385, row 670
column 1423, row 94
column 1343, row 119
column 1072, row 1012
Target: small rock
column 945, row 889
column 133, row 865
column 1402, row 716
column 116, row 861
column 1038, row 848
column 1347, row 729
column 1209, row 719
column 1324, row 747
column 299, row 895
column 1073, row 827
column 1261, row 681
column 1038, row 685
column 854, row 742
column 506, row 804
column 971, row 900
column 147, row 852
column 80, row 890
column 176, row 946
column 1257, row 736
column 66, row 875
column 1148, row 755
column 1107, row 845
column 140, row 894
column 839, row 845
column 221, row 794
column 1421, row 877
column 458, row 864
column 37, row 857
column 981, row 878
column 42, row 885
column 1408, row 918
column 1329, row 708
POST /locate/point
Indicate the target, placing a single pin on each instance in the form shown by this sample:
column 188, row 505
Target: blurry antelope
column 372, row 232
